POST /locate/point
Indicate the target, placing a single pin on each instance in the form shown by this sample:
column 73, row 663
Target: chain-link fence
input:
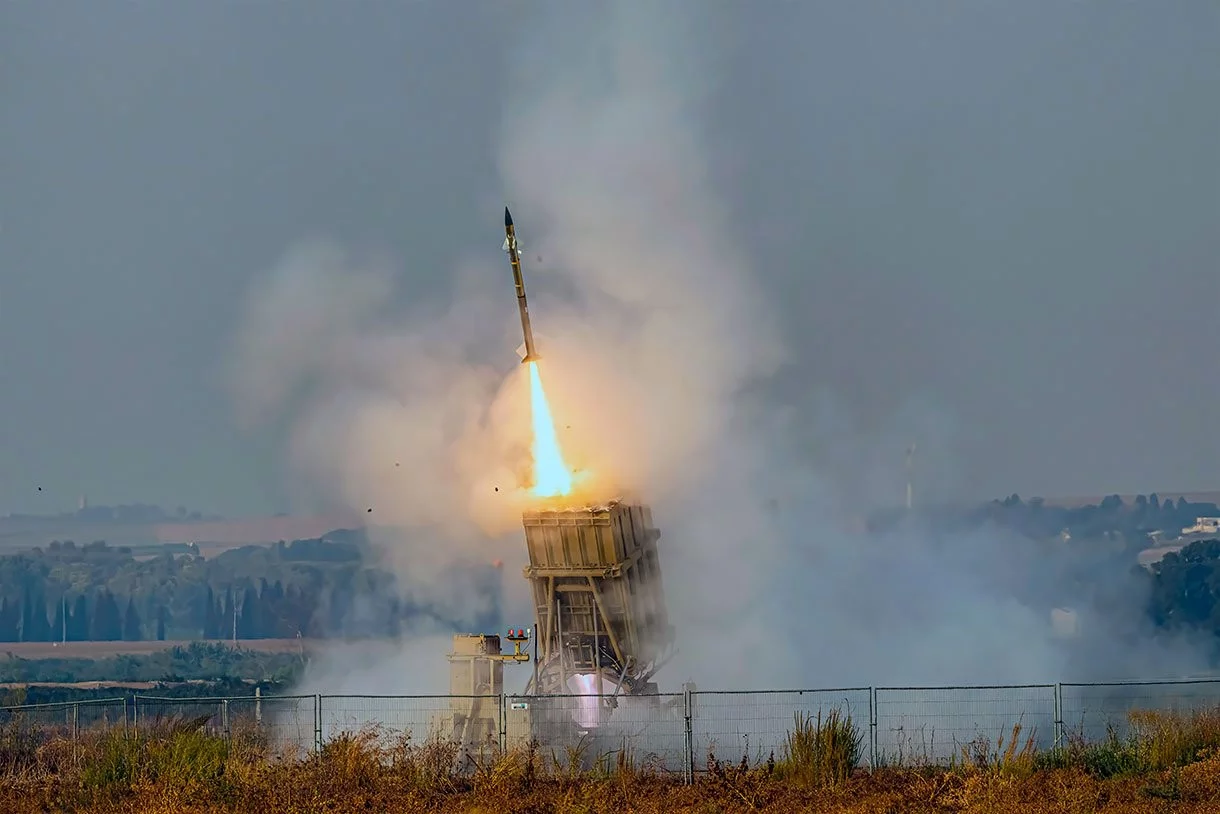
column 682, row 733
column 588, row 731
column 412, row 719
column 64, row 719
column 936, row 724
column 754, row 726
column 285, row 723
column 1094, row 711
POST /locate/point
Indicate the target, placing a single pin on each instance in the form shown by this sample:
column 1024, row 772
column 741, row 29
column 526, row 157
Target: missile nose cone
column 508, row 218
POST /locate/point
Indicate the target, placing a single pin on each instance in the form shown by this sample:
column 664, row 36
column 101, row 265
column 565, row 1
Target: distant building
column 1204, row 525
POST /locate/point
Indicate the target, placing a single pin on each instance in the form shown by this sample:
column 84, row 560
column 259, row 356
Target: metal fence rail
column 1091, row 711
column 65, row 718
column 935, row 724
column 284, row 722
column 587, row 730
column 411, row 720
column 732, row 725
column 677, row 732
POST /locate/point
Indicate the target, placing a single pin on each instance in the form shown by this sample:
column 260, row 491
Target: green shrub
column 821, row 752
column 180, row 756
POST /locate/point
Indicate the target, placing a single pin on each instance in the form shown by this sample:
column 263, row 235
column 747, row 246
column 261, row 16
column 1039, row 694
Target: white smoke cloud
column 658, row 337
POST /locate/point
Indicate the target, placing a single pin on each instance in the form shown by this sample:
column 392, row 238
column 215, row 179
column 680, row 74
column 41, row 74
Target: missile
column 514, row 257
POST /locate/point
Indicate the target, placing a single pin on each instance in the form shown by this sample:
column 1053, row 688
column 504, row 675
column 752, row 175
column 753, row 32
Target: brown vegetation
column 1170, row 763
column 101, row 650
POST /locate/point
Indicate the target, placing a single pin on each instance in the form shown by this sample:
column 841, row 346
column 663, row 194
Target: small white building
column 1204, row 525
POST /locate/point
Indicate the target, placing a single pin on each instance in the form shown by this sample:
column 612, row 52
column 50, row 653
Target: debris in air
column 370, row 511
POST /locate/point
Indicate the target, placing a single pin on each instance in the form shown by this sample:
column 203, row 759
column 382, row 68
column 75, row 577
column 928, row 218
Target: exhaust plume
column 659, row 343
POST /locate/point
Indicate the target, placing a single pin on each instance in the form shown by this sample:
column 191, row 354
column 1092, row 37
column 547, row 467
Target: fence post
column 688, row 744
column 124, row 714
column 224, row 717
column 872, row 729
column 1058, row 713
column 75, row 720
column 317, row 724
column 503, row 723
column 258, row 706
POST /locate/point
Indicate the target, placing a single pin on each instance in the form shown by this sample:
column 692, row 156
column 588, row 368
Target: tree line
column 1186, row 588
column 1140, row 522
column 327, row 587
column 99, row 620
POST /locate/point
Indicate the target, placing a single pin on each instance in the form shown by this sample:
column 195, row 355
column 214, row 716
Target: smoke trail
column 667, row 347
column 659, row 330
column 393, row 414
column 658, row 341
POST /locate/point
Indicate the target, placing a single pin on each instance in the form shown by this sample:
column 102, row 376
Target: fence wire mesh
column 754, row 726
column 672, row 732
column 64, row 719
column 285, row 724
column 1093, row 711
column 471, row 720
column 934, row 725
column 584, row 732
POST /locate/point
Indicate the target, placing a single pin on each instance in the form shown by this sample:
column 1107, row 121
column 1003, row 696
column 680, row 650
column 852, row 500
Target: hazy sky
column 993, row 227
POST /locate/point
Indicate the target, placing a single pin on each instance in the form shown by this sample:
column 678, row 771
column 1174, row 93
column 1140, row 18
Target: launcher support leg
column 618, row 651
column 550, row 616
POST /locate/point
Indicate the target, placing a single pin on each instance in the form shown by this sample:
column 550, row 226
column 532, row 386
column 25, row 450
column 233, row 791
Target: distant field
column 101, row 650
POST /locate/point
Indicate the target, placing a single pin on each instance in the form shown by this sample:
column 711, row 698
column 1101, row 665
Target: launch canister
column 514, row 256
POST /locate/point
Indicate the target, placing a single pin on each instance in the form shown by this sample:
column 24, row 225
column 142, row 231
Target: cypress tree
column 211, row 617
column 107, row 619
column 78, row 627
column 60, row 625
column 249, row 626
column 131, row 623
column 227, row 618
column 8, row 621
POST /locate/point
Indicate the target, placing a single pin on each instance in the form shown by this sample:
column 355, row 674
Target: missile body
column 514, row 257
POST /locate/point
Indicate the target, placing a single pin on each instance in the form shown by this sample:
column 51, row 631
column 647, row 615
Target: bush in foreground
column 1169, row 762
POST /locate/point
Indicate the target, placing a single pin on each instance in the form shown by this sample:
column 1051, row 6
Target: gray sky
column 994, row 227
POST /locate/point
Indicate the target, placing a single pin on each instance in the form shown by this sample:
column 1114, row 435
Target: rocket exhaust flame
column 552, row 478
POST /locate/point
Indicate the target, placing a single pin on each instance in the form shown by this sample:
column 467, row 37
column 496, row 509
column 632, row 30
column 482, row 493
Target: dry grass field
column 101, row 650
column 1169, row 764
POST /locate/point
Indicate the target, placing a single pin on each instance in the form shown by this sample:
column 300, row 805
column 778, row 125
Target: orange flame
column 551, row 474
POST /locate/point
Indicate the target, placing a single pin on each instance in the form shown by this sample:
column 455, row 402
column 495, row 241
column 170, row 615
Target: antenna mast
column 910, row 474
